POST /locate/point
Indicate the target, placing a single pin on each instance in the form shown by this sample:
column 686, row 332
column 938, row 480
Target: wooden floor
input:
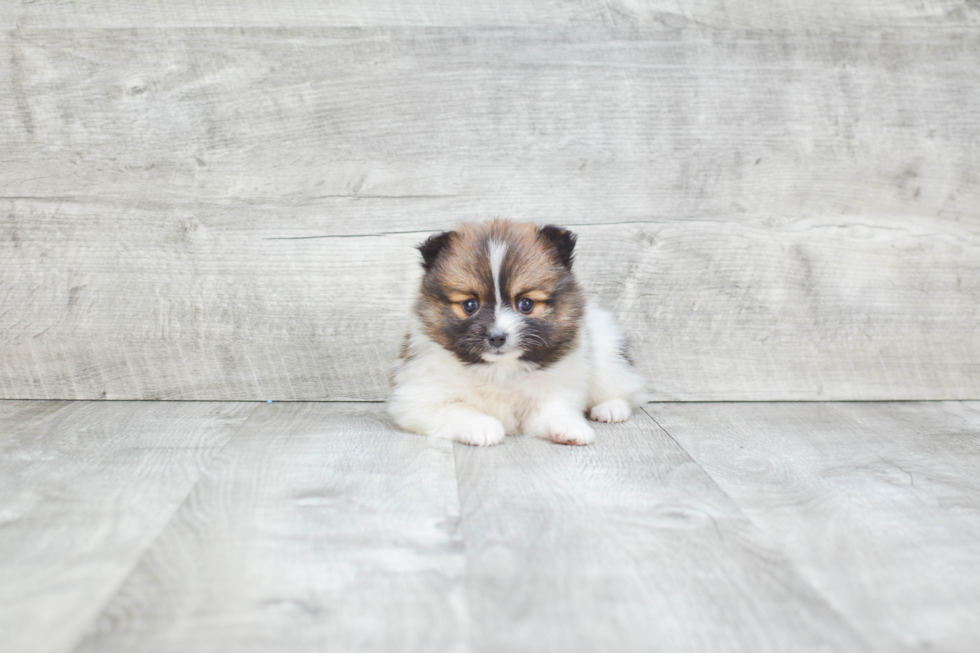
column 184, row 527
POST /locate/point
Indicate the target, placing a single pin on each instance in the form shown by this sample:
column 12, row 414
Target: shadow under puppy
column 504, row 342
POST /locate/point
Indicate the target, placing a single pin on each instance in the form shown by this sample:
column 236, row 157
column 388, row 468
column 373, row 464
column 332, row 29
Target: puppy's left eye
column 525, row 305
column 470, row 306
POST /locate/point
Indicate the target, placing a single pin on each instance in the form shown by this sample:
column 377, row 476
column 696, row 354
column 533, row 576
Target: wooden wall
column 219, row 200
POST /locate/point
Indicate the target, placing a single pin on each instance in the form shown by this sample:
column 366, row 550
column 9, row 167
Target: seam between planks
column 466, row 626
column 858, row 633
column 706, row 472
column 163, row 527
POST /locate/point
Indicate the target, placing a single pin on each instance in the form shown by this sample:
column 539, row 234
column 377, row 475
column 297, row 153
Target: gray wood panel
column 797, row 208
column 318, row 528
column 789, row 527
column 218, row 307
column 626, row 545
column 374, row 130
column 775, row 14
column 878, row 505
column 84, row 489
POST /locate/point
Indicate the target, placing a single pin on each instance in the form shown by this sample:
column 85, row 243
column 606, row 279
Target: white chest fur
column 437, row 394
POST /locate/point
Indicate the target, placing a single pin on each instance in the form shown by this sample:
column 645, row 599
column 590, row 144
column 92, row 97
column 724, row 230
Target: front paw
column 569, row 430
column 614, row 410
column 473, row 428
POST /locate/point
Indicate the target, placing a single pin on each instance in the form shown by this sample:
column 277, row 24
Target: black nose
column 497, row 338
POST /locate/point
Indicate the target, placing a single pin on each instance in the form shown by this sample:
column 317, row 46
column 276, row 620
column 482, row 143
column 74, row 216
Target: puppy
column 503, row 342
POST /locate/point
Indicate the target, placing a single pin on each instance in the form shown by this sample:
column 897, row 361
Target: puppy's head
column 501, row 291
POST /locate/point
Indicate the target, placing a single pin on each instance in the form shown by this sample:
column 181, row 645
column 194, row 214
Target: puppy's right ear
column 432, row 246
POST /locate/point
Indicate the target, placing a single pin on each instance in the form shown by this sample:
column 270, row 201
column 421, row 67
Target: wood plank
column 626, row 545
column 84, row 489
column 878, row 505
column 804, row 204
column 370, row 130
column 318, row 528
column 795, row 309
column 204, row 309
column 211, row 307
column 779, row 14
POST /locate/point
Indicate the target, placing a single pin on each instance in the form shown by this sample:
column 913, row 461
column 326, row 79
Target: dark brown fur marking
column 538, row 261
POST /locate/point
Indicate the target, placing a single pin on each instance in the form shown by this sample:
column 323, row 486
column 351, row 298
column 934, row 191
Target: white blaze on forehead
column 505, row 318
column 497, row 251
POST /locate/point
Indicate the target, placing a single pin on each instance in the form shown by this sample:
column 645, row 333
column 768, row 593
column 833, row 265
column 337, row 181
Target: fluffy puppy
column 503, row 342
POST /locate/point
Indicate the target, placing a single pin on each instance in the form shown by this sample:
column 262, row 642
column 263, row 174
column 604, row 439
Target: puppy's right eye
column 470, row 306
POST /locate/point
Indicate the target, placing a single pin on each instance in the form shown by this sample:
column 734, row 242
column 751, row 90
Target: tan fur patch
column 529, row 269
column 536, row 295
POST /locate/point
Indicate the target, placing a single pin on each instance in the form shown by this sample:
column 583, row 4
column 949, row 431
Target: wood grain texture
column 791, row 214
column 318, row 528
column 215, row 307
column 843, row 527
column 372, row 130
column 84, row 489
column 776, row 14
column 878, row 505
column 626, row 545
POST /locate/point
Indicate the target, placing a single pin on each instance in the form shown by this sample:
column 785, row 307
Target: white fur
column 436, row 394
column 505, row 318
column 614, row 410
column 510, row 322
column 497, row 252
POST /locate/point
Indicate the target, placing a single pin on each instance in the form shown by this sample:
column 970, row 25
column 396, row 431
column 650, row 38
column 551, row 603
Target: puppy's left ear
column 560, row 241
column 432, row 246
